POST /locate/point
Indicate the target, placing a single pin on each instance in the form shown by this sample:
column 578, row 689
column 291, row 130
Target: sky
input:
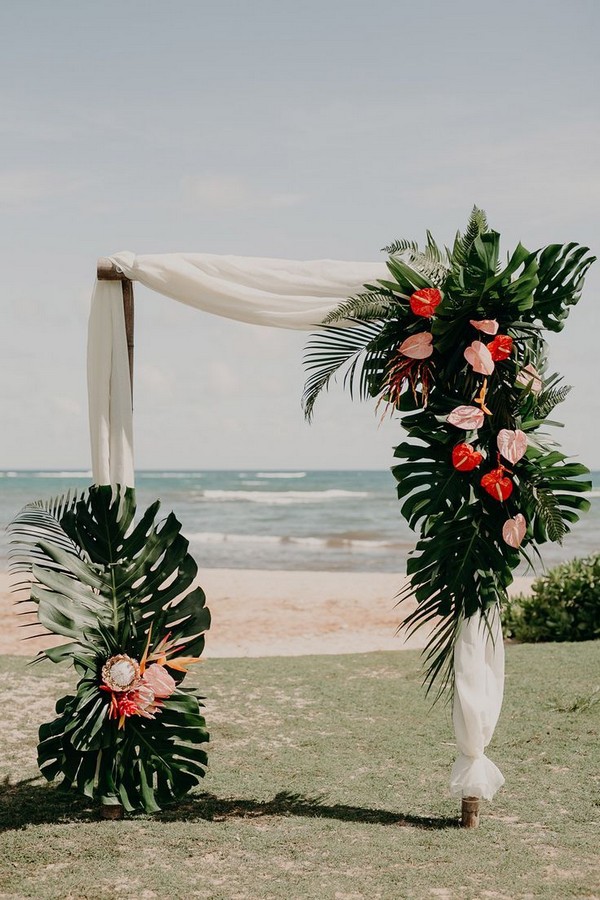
column 272, row 128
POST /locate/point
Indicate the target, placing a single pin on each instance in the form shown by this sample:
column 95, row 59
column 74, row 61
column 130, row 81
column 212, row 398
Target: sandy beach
column 273, row 613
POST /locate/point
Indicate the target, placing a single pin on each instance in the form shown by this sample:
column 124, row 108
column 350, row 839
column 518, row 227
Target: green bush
column 564, row 605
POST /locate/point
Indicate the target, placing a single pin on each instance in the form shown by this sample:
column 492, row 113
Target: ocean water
column 313, row 520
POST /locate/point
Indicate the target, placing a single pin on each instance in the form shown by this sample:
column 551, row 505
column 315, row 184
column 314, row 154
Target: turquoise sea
column 319, row 520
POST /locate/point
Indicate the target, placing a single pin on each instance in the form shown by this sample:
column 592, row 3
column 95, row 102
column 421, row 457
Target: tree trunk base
column 111, row 811
column 470, row 812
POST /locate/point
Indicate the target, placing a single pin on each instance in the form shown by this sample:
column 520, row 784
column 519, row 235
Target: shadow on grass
column 27, row 803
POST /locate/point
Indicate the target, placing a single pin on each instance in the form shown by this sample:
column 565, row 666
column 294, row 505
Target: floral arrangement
column 122, row 594
column 453, row 341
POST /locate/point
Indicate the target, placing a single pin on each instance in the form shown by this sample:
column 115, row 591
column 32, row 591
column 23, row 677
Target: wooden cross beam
column 107, row 271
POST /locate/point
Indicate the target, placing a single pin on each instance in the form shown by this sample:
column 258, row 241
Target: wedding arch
column 449, row 338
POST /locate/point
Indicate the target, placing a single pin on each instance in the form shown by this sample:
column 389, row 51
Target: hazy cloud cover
column 321, row 129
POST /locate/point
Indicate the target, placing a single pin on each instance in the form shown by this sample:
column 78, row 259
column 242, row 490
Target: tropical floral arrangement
column 122, row 595
column 453, row 341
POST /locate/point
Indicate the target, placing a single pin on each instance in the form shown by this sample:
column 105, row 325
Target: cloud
column 24, row 187
column 231, row 192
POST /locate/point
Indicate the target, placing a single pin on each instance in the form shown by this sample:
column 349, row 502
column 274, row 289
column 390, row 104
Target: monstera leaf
column 117, row 591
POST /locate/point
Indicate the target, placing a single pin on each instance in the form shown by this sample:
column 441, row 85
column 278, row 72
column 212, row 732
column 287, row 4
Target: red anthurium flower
column 501, row 347
column 497, row 484
column 418, row 346
column 465, row 458
column 425, row 302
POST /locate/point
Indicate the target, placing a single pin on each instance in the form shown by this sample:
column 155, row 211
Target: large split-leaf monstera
column 117, row 591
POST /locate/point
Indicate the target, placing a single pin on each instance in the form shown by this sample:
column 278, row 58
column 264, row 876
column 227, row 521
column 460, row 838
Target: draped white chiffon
column 283, row 294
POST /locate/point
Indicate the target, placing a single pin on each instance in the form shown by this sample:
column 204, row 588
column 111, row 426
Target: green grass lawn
column 328, row 779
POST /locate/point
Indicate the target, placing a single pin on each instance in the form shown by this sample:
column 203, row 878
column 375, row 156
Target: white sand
column 263, row 613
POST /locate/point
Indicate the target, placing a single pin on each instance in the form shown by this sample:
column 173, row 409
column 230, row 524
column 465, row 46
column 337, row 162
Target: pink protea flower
column 160, row 682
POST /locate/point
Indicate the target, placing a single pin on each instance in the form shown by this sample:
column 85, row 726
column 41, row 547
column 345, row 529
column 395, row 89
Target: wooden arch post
column 107, row 271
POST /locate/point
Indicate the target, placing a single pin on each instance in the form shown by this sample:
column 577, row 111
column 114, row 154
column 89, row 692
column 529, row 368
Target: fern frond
column 397, row 248
column 547, row 400
column 463, row 243
column 431, row 262
column 550, row 514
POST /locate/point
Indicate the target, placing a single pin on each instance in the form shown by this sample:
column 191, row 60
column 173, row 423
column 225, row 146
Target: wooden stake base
column 112, row 811
column 470, row 812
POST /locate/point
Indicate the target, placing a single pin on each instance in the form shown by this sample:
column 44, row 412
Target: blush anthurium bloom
column 467, row 417
column 480, row 358
column 529, row 377
column 418, row 346
column 425, row 302
column 488, row 326
column 465, row 458
column 513, row 531
column 512, row 444
column 501, row 347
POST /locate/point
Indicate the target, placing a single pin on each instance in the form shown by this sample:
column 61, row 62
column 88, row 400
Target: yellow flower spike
column 480, row 399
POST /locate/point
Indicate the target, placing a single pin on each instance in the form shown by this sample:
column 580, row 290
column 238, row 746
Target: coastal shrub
column 564, row 605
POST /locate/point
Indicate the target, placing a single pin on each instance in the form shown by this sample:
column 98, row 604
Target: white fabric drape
column 283, row 294
column 109, row 388
column 478, row 692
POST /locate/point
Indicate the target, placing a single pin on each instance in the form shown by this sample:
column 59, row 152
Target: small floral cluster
column 483, row 358
column 139, row 688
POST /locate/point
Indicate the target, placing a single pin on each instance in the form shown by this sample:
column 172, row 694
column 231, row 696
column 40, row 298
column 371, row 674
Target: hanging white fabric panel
column 282, row 294
column 478, row 692
column 109, row 388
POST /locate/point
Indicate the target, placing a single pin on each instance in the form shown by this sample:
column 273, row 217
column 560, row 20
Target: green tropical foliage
column 564, row 605
column 462, row 563
column 111, row 586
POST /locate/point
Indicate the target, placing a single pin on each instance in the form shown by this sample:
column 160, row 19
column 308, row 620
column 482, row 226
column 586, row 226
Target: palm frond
column 364, row 307
column 328, row 351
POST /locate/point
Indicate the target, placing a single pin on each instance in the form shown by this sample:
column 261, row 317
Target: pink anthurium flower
column 513, row 531
column 478, row 356
column 488, row 326
column 512, row 444
column 529, row 377
column 418, row 346
column 467, row 417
